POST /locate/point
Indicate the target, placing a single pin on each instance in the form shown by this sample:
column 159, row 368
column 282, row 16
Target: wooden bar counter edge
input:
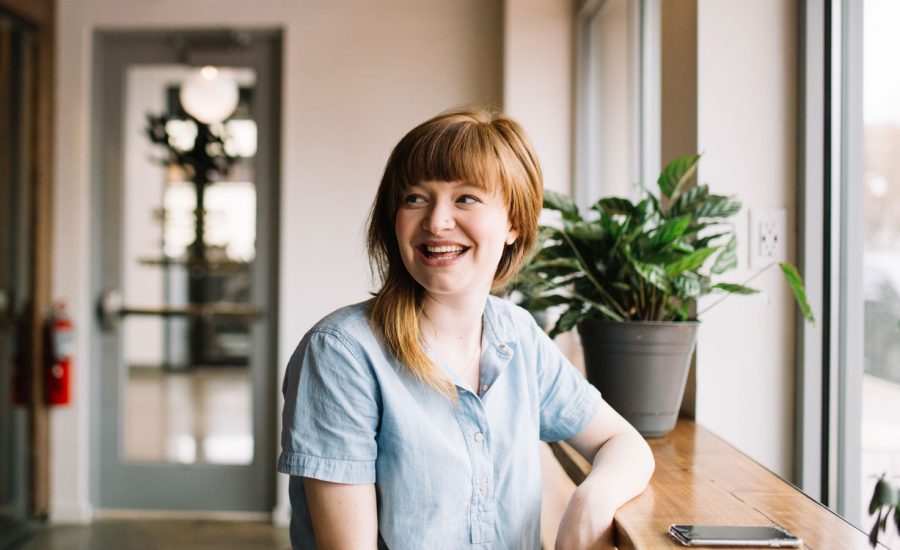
column 700, row 479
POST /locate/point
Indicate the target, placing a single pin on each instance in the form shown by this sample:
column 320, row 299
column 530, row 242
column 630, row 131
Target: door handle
column 5, row 306
column 110, row 309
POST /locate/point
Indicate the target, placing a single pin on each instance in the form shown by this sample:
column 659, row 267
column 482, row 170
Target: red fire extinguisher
column 59, row 371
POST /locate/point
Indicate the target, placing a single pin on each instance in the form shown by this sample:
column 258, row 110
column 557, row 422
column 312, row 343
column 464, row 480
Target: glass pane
column 881, row 275
column 189, row 240
column 613, row 100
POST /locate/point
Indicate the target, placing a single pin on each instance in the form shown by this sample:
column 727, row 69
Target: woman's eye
column 414, row 199
column 468, row 199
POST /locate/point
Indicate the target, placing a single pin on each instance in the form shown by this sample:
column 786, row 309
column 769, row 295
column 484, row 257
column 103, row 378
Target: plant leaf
column 653, row 274
column 654, row 201
column 613, row 206
column 585, row 231
column 683, row 247
column 690, row 262
column 543, row 302
column 563, row 204
column 796, row 283
column 727, row 259
column 873, row 534
column 609, row 313
column 705, row 241
column 551, row 252
column 718, row 206
column 552, row 269
column 541, row 264
column 897, row 516
column 677, row 175
column 689, row 200
column 686, row 286
column 669, row 232
column 733, row 288
column 568, row 320
column 883, row 495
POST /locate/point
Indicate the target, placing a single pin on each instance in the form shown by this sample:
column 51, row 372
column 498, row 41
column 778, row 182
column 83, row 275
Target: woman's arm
column 343, row 516
column 622, row 466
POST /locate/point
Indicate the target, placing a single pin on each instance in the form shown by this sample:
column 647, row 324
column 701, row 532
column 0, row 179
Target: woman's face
column 451, row 236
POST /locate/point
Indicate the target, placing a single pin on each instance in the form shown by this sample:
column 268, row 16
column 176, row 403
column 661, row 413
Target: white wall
column 538, row 61
column 356, row 76
column 746, row 84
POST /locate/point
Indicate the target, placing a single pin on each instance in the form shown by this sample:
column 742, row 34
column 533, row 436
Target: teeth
column 443, row 249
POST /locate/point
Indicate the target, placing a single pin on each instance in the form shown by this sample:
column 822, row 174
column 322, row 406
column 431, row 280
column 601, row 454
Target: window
column 617, row 120
column 850, row 376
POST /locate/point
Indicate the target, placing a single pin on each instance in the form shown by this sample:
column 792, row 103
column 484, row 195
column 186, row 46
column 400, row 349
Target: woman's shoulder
column 344, row 332
column 349, row 317
column 349, row 322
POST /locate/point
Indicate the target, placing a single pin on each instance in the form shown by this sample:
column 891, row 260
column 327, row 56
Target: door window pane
column 189, row 244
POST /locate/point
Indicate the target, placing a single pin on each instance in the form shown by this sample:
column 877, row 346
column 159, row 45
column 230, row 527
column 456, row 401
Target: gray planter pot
column 640, row 368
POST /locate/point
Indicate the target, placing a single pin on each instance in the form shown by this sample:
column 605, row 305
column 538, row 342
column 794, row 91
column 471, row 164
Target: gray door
column 185, row 273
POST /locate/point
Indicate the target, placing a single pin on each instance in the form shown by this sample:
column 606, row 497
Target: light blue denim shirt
column 446, row 476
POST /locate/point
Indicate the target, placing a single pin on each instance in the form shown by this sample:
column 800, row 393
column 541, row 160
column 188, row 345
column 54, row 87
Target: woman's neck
column 453, row 321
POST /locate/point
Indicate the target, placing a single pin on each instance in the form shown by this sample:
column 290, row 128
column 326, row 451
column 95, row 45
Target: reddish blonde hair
column 470, row 144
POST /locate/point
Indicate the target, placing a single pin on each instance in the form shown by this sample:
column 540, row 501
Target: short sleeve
column 567, row 400
column 331, row 412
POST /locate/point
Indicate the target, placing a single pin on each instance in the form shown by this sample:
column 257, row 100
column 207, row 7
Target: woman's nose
column 439, row 218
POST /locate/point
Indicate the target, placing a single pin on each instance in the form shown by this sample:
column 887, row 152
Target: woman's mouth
column 443, row 252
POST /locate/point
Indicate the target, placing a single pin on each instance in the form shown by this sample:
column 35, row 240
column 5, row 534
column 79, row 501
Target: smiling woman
column 413, row 420
column 490, row 160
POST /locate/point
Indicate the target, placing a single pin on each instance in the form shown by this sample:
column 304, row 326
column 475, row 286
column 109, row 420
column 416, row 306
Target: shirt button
column 479, row 437
column 483, row 487
column 484, row 388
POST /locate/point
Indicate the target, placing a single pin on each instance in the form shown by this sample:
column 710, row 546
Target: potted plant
column 628, row 278
column 885, row 501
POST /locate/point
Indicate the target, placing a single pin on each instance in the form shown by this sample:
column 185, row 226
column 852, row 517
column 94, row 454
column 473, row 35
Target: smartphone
column 771, row 536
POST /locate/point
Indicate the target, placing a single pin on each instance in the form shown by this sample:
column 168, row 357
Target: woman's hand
column 587, row 523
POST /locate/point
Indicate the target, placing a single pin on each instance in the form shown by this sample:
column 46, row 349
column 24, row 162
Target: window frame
column 827, row 464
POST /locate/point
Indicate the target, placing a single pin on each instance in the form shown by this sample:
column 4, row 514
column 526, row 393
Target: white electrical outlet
column 768, row 236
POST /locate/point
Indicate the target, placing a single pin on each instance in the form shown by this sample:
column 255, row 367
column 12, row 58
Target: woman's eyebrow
column 472, row 185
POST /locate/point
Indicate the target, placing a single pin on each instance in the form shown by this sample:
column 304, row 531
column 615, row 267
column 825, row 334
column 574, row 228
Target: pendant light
column 209, row 94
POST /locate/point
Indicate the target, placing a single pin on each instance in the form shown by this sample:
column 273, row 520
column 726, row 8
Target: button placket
column 473, row 420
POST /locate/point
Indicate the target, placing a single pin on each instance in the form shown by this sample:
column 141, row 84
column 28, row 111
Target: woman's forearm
column 622, row 466
column 621, row 469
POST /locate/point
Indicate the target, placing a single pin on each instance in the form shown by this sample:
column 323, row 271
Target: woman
column 413, row 420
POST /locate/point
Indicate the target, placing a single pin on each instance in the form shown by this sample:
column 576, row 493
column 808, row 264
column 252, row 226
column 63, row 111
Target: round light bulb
column 209, row 95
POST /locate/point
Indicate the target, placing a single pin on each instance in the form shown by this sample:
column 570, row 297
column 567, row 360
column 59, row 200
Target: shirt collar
column 497, row 330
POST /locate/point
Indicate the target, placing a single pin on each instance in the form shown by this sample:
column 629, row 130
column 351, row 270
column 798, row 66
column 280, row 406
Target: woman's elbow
column 648, row 461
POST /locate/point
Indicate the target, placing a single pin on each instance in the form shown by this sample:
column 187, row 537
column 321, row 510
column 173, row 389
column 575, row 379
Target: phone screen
column 733, row 535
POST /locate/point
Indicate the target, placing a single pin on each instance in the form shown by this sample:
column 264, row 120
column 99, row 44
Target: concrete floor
column 160, row 534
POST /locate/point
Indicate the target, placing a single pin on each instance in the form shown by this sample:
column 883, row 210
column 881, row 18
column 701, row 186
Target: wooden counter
column 701, row 479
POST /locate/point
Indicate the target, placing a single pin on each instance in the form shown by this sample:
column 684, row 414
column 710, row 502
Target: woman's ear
column 511, row 236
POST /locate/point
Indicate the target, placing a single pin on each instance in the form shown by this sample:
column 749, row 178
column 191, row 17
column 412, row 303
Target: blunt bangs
column 462, row 150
